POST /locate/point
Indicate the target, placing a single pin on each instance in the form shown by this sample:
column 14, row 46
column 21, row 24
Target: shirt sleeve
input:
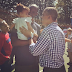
column 14, row 21
column 41, row 45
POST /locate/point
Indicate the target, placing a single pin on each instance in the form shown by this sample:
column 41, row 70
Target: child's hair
column 20, row 7
column 51, row 11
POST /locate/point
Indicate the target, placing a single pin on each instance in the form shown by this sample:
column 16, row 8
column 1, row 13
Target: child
column 23, row 17
column 5, row 47
column 69, row 33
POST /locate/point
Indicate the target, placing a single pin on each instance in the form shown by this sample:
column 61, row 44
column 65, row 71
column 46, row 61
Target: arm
column 17, row 42
column 28, row 33
column 41, row 45
column 29, row 27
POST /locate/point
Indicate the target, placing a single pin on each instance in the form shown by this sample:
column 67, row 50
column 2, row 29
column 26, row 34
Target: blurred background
column 64, row 7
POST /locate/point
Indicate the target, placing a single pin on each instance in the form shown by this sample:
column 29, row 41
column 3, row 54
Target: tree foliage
column 64, row 10
column 7, row 7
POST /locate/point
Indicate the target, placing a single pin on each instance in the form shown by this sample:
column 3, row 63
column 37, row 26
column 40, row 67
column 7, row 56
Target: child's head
column 69, row 31
column 49, row 15
column 22, row 10
column 4, row 26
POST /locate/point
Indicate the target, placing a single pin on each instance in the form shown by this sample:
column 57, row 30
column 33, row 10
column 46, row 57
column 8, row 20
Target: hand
column 29, row 27
column 24, row 31
column 35, row 38
column 41, row 30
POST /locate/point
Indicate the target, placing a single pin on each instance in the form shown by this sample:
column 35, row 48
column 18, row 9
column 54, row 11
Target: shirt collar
column 53, row 23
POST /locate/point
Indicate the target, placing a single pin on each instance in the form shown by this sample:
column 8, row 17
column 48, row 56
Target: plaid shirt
column 50, row 47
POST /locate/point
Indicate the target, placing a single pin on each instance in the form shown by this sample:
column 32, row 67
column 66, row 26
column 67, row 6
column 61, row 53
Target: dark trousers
column 5, row 67
column 29, row 68
column 62, row 69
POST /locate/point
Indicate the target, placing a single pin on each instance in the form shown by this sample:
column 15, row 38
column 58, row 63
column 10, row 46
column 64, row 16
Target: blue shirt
column 50, row 46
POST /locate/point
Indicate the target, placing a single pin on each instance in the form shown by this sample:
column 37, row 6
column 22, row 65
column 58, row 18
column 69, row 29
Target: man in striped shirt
column 51, row 44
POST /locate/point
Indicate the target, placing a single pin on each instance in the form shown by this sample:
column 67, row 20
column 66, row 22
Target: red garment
column 5, row 45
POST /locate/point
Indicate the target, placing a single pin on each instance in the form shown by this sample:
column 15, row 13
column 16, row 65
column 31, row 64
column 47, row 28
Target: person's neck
column 51, row 21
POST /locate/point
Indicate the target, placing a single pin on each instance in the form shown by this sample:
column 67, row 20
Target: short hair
column 51, row 11
column 20, row 7
column 33, row 6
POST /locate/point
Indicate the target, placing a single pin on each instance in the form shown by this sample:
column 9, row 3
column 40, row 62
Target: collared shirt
column 50, row 46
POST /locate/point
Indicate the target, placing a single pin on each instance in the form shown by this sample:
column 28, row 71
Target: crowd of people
column 30, row 46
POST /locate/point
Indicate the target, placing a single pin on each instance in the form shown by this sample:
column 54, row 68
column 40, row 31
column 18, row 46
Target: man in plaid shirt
column 50, row 45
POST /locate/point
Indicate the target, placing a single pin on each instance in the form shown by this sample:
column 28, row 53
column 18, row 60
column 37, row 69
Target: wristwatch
column 32, row 34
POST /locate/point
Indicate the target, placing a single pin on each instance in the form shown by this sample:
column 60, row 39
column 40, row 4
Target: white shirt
column 19, row 22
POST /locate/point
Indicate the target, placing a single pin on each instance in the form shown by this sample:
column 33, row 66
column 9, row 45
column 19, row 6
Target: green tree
column 7, row 7
column 64, row 10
